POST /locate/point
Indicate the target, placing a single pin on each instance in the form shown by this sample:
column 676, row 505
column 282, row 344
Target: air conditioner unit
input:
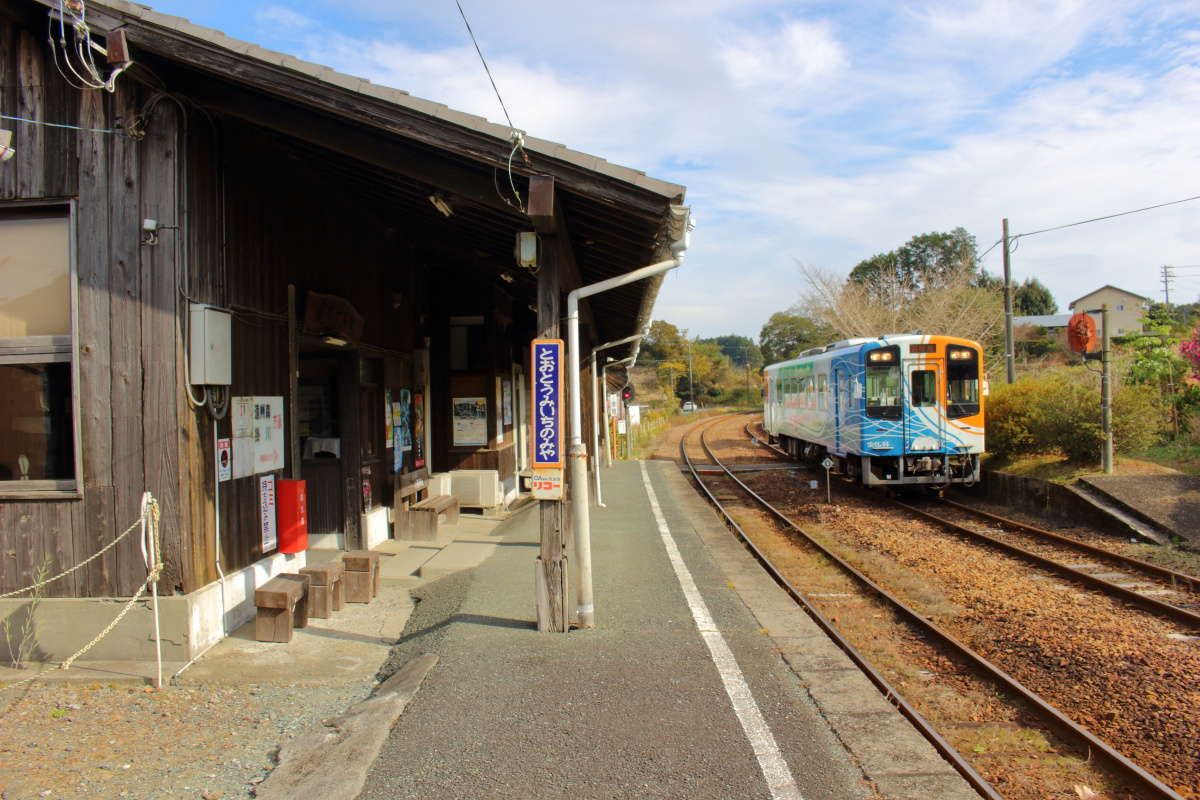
column 477, row 488
column 440, row 484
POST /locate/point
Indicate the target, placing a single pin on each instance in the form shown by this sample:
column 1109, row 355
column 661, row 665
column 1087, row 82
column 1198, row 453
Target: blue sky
column 822, row 133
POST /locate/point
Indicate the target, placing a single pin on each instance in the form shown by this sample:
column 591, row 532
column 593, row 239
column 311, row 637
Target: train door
column 924, row 424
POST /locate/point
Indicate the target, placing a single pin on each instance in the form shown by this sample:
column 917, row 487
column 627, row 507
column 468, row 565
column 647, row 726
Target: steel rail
column 1146, row 602
column 943, row 747
column 1119, row 761
column 1130, row 595
column 1175, row 577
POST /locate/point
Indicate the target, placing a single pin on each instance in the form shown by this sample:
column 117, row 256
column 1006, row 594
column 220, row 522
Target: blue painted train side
column 894, row 410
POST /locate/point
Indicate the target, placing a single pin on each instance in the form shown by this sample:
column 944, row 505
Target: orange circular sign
column 1081, row 333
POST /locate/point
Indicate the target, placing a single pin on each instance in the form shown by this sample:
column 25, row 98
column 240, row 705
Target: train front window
column 883, row 391
column 962, row 383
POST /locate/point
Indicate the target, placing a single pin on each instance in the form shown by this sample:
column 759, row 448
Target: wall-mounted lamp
column 6, row 151
column 441, row 205
column 333, row 340
column 150, row 229
column 526, row 250
column 507, row 278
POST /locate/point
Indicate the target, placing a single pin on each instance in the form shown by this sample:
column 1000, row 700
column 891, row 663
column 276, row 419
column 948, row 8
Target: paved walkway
column 751, row 702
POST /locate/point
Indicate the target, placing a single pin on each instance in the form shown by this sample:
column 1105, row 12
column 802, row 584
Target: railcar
column 896, row 410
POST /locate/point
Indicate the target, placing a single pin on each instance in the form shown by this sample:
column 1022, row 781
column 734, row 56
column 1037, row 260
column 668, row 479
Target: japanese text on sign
column 547, row 403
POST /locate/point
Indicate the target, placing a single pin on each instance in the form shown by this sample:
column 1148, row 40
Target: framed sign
column 470, row 421
column 547, row 440
column 266, row 507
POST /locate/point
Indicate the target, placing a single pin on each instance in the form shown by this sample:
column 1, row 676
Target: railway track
column 1171, row 594
column 1147, row 785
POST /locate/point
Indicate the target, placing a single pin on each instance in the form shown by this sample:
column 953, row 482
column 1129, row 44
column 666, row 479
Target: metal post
column 691, row 384
column 1008, row 315
column 1106, row 392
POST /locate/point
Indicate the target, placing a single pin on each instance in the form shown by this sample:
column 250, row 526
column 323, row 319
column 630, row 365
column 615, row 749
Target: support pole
column 551, row 572
column 1106, row 392
column 1008, row 307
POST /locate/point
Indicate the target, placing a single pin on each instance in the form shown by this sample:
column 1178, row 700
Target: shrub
column 1059, row 410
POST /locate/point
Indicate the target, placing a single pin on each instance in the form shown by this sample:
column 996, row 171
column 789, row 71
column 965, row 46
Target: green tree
column 665, row 342
column 787, row 333
column 926, row 261
column 1033, row 299
column 740, row 350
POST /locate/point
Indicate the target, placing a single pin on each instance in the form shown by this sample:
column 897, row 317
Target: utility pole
column 1008, row 325
column 1106, row 392
column 1167, row 276
column 691, row 383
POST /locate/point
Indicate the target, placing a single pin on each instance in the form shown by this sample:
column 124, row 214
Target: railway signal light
column 627, row 393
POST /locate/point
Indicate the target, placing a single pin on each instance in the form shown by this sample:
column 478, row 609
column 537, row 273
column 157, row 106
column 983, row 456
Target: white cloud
column 784, row 62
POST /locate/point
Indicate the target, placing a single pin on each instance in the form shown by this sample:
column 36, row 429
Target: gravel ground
column 96, row 741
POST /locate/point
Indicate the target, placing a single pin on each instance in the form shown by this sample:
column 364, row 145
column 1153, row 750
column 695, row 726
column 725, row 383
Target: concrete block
column 846, row 692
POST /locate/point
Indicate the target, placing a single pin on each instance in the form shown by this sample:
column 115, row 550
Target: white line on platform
column 775, row 770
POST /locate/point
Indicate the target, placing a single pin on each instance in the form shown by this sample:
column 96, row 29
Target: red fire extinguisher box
column 292, row 504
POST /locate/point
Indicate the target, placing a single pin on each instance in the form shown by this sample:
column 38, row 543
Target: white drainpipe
column 596, row 384
column 580, row 503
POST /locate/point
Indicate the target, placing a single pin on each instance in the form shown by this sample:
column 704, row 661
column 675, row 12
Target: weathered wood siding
column 125, row 326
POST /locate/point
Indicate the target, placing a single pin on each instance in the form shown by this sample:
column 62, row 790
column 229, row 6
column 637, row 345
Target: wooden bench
column 282, row 605
column 361, row 576
column 325, row 589
column 420, row 521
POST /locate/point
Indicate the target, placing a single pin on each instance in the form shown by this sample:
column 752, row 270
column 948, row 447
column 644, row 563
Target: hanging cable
column 1106, row 216
column 516, row 136
column 61, row 125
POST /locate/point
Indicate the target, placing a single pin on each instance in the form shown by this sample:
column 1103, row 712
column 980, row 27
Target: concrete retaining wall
column 1051, row 501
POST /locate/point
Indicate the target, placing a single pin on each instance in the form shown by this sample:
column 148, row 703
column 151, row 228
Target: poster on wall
column 418, row 431
column 258, row 438
column 266, row 506
column 508, row 402
column 405, row 419
column 500, row 415
column 388, row 428
column 470, row 421
column 224, row 460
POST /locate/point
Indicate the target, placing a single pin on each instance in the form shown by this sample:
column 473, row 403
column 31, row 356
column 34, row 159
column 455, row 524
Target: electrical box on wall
column 211, row 349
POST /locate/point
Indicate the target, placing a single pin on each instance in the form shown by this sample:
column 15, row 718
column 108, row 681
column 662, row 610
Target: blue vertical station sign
column 547, row 404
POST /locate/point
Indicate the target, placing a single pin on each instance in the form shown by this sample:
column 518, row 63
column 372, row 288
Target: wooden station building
column 357, row 242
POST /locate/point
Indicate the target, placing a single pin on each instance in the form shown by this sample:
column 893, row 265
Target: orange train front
column 896, row 409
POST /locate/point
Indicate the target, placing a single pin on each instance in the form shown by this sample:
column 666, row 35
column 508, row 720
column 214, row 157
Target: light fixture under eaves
column 6, row 151
column 333, row 340
column 504, row 276
column 441, row 205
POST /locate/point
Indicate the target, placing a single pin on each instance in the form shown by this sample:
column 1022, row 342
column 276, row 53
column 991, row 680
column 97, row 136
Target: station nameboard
column 547, row 440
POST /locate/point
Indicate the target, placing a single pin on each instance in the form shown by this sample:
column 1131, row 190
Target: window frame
column 51, row 350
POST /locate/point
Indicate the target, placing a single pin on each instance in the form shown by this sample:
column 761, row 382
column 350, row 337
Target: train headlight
column 881, row 355
column 961, row 355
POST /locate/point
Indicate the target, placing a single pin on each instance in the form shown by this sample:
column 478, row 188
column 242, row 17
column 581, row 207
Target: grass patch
column 1057, row 469
column 1181, row 455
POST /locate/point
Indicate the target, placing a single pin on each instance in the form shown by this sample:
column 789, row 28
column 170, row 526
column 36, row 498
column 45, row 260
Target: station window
column 38, row 451
column 924, row 388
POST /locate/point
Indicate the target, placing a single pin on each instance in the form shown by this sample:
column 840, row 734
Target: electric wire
column 62, row 125
column 485, row 64
column 1106, row 216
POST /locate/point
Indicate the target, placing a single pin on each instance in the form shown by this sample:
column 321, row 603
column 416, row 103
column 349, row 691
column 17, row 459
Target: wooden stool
column 325, row 589
column 361, row 576
column 282, row 604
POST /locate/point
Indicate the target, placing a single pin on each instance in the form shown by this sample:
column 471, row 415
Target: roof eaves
column 395, row 96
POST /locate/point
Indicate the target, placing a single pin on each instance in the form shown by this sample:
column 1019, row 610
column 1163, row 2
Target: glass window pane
column 924, row 388
column 36, row 433
column 883, row 392
column 35, row 293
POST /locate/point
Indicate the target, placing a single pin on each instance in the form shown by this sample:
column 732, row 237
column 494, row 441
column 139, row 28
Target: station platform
column 702, row 678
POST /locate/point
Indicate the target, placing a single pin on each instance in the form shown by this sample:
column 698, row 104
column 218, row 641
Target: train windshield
column 883, row 391
column 962, row 382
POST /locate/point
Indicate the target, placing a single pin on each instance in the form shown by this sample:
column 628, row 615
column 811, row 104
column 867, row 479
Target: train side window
column 924, row 388
column 822, row 392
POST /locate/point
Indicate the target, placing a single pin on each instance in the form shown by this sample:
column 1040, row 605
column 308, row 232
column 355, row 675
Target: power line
column 485, row 64
column 58, row 125
column 1106, row 216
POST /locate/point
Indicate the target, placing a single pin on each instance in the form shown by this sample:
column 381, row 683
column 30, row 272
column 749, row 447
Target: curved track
column 1149, row 786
